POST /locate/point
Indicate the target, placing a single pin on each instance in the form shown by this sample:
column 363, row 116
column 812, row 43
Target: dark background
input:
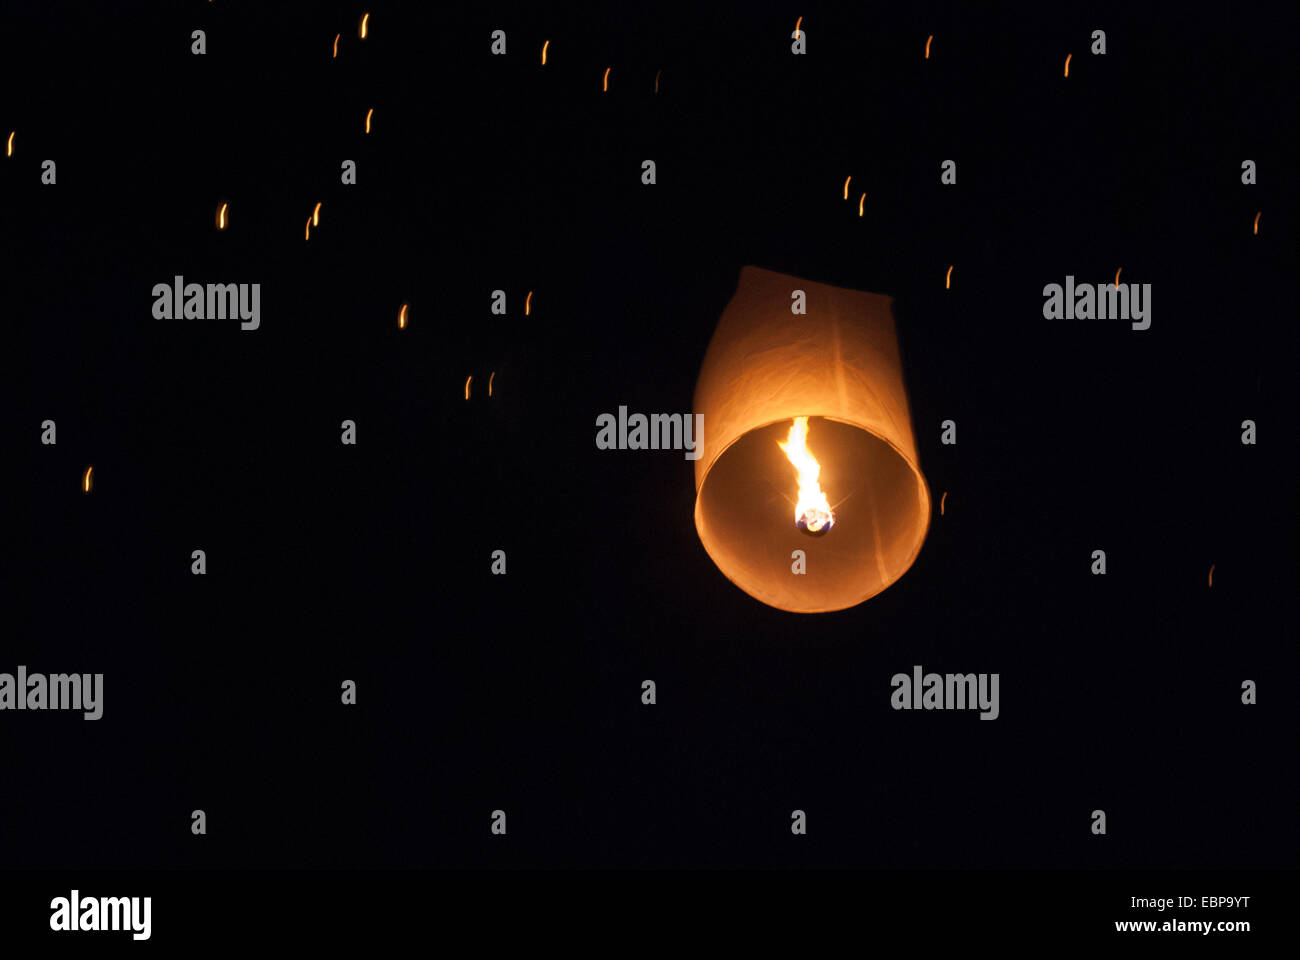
column 372, row 563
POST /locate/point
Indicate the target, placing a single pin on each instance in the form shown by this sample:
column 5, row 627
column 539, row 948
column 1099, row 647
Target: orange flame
column 221, row 217
column 796, row 27
column 308, row 234
column 1067, row 63
column 467, row 380
column 528, row 302
column 947, row 281
column 9, row 146
column 942, row 501
column 315, row 216
column 605, row 82
column 336, row 43
column 846, row 185
column 1211, row 575
column 401, row 318
column 544, row 46
column 364, row 21
column 368, row 114
column 812, row 513
column 1117, row 272
column 1256, row 215
column 927, row 45
column 85, row 480
column 490, row 379
column 861, row 200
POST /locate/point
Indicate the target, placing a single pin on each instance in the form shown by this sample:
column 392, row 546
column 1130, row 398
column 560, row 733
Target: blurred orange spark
column 1117, row 272
column 657, row 81
column 221, row 217
column 85, row 481
column 1211, row 574
column 861, row 200
column 490, row 378
column 1067, row 63
column 544, row 46
column 315, row 216
column 947, row 281
column 846, row 185
column 9, row 147
column 368, row 113
column 336, row 43
column 401, row 318
column 528, row 302
column 927, row 45
column 1256, row 215
column 942, row 500
column 796, row 27
column 605, row 83
column 467, row 380
column 308, row 234
column 364, row 20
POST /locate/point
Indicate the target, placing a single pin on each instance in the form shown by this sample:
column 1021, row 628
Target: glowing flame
column 221, row 217
column 1067, row 63
column 368, row 114
column 315, row 216
column 1117, row 270
column 11, row 136
column 942, row 501
column 528, row 302
column 605, row 82
column 336, row 43
column 544, row 46
column 9, row 146
column 1211, row 575
column 861, row 200
column 308, row 235
column 796, row 27
column 927, row 45
column 85, row 480
column 947, row 281
column 364, row 21
column 812, row 513
column 490, row 379
column 467, row 381
column 401, row 318
column 846, row 185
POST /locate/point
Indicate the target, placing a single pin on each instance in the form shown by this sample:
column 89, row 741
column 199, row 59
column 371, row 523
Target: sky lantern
column 809, row 492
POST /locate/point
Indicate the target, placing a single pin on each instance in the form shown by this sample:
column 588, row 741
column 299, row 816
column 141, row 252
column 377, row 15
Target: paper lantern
column 766, row 369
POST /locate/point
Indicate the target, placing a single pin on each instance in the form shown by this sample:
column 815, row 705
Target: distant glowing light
column 1067, row 63
column 315, row 216
column 927, row 45
column 528, row 300
column 401, row 318
column 947, row 281
column 605, row 83
column 1256, row 215
column 861, row 200
column 544, row 46
column 1117, row 273
column 85, row 480
column 1211, row 575
column 9, row 146
column 307, row 236
column 336, row 43
column 657, row 74
column 467, row 383
column 490, row 379
column 369, row 114
column 365, row 20
column 846, row 185
column 796, row 27
column 221, row 217
column 942, row 501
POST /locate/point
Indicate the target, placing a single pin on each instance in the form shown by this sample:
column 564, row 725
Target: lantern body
column 838, row 365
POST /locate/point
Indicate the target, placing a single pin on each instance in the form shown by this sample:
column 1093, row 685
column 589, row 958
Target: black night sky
column 522, row 692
